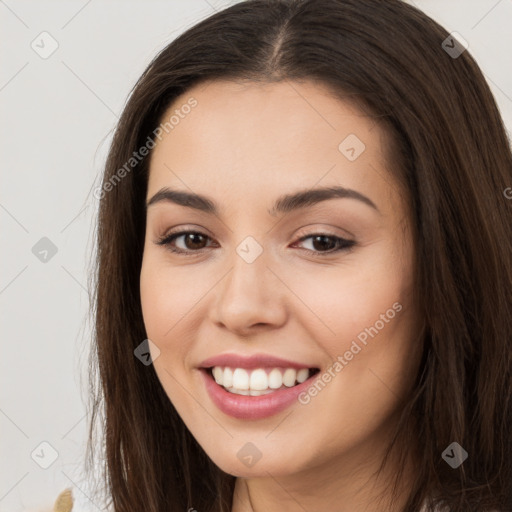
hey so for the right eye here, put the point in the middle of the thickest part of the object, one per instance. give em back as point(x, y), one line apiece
point(190, 238)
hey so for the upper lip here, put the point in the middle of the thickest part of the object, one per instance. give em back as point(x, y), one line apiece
point(253, 361)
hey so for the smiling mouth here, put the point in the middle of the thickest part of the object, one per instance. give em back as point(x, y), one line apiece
point(258, 381)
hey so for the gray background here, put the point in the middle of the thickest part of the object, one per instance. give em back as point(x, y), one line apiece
point(57, 119)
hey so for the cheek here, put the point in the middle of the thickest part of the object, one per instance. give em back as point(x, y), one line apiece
point(365, 328)
point(172, 302)
point(162, 306)
point(162, 309)
point(167, 293)
point(363, 314)
point(344, 301)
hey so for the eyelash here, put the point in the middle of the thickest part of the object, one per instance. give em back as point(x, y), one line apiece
point(343, 244)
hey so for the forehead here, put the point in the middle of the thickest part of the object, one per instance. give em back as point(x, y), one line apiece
point(268, 136)
point(288, 110)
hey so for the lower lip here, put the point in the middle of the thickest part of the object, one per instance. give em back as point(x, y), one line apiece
point(252, 407)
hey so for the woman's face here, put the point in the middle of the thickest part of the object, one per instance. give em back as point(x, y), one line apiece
point(280, 283)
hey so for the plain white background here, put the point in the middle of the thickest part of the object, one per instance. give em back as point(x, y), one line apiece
point(57, 117)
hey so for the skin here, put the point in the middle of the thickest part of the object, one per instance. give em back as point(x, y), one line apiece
point(244, 145)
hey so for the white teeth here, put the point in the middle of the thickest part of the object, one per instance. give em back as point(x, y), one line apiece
point(227, 380)
point(254, 392)
point(275, 379)
point(258, 382)
point(289, 377)
point(218, 374)
point(302, 375)
point(240, 379)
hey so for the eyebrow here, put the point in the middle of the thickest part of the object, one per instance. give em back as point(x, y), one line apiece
point(284, 204)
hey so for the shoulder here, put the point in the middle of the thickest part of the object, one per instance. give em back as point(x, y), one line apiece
point(64, 501)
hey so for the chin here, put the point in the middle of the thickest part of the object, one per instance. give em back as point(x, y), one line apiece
point(261, 468)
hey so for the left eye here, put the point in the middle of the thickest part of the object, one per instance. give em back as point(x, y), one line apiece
point(194, 242)
point(334, 243)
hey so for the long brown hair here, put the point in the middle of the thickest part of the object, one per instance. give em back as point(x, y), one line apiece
point(449, 150)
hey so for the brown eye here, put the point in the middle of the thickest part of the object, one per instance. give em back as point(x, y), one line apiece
point(323, 243)
point(328, 244)
point(192, 241)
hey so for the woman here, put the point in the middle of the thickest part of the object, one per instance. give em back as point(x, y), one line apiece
point(304, 281)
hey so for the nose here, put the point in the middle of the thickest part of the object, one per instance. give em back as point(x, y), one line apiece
point(250, 298)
